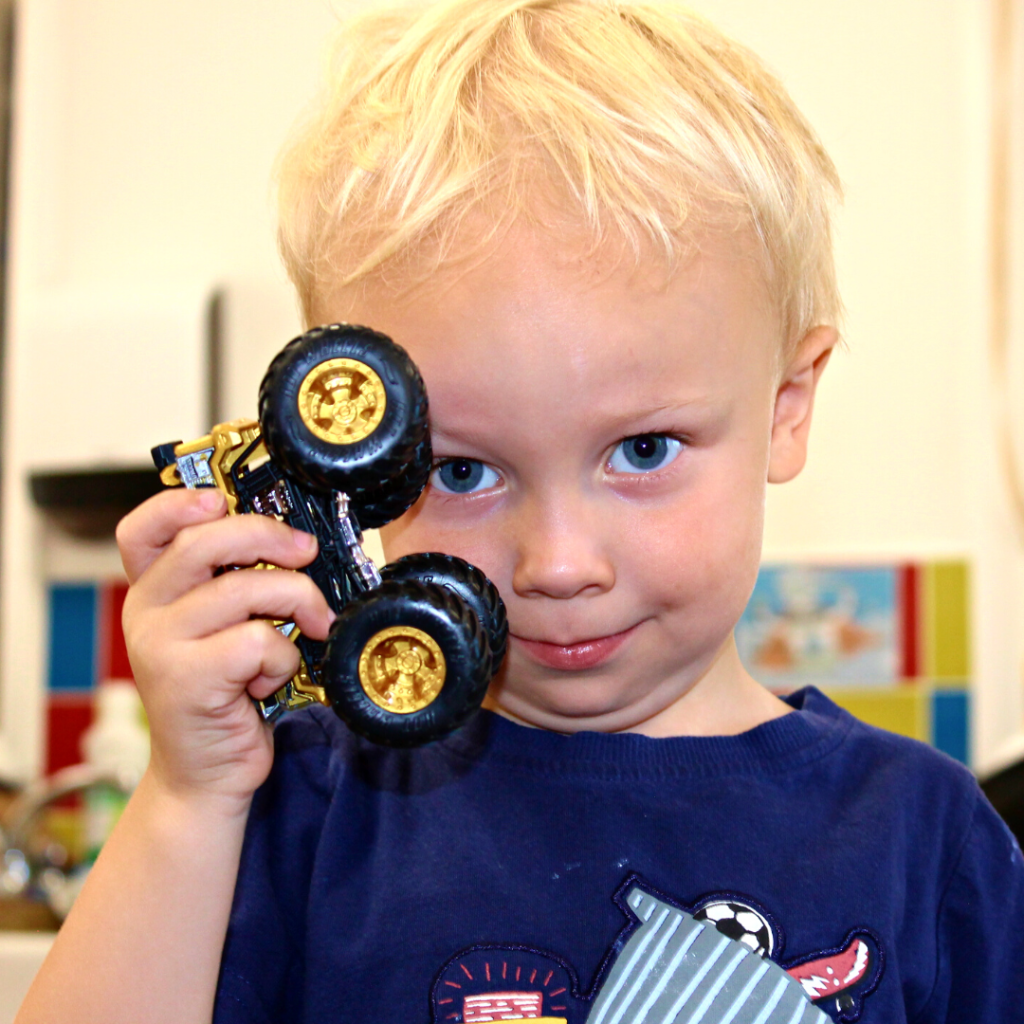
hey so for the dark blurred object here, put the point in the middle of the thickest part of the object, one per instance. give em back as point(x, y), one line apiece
point(90, 504)
point(19, 913)
point(1006, 791)
point(33, 866)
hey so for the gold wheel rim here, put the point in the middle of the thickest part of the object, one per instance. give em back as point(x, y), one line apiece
point(402, 669)
point(342, 401)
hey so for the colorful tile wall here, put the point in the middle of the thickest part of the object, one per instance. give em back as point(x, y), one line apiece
point(891, 643)
point(85, 645)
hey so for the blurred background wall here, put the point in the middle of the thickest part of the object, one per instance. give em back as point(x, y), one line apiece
point(145, 132)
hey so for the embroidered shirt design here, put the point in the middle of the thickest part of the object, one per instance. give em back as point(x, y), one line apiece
point(709, 964)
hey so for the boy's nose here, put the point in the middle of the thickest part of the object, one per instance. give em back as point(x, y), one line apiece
point(560, 555)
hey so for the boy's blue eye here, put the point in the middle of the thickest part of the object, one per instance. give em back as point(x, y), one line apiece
point(644, 453)
point(463, 476)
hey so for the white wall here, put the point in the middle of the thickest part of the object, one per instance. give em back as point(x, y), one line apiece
point(904, 459)
point(146, 135)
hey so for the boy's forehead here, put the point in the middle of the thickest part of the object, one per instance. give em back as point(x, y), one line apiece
point(576, 342)
point(535, 278)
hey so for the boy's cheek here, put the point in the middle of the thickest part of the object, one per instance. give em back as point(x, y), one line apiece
point(407, 534)
point(415, 532)
point(390, 539)
point(703, 554)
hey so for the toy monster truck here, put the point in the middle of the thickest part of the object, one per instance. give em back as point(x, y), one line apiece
point(342, 443)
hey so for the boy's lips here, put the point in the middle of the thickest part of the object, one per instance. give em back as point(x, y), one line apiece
point(583, 654)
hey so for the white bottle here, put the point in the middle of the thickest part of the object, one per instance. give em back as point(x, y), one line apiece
point(117, 741)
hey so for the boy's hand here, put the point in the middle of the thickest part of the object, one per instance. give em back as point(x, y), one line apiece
point(201, 644)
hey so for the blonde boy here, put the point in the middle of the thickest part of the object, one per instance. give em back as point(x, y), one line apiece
point(602, 231)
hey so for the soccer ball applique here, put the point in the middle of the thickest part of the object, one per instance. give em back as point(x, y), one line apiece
point(741, 922)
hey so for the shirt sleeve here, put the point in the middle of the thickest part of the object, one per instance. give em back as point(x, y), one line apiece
point(262, 978)
point(980, 972)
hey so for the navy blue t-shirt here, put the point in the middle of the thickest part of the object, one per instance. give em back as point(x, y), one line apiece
point(813, 869)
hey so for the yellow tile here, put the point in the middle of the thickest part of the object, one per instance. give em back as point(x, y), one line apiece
point(902, 709)
point(945, 620)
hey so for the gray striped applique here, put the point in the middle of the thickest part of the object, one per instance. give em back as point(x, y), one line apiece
point(677, 970)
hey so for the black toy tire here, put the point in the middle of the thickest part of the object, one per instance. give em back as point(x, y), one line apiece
point(376, 507)
point(469, 583)
point(451, 624)
point(373, 462)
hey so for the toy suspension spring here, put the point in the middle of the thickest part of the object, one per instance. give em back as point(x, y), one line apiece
point(351, 538)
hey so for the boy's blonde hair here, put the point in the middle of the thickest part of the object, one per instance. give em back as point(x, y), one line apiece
point(637, 120)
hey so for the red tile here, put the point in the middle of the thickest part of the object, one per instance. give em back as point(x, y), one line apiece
point(909, 600)
point(68, 716)
point(113, 655)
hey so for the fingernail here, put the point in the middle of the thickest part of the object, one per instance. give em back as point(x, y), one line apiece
point(210, 499)
point(304, 541)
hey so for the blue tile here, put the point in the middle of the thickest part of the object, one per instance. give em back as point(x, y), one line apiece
point(73, 611)
point(951, 723)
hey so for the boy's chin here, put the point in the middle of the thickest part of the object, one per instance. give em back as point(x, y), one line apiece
point(575, 708)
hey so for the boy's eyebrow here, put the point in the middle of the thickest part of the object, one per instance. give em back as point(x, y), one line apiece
point(658, 410)
point(619, 423)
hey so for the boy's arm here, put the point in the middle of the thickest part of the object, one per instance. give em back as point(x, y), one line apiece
point(980, 964)
point(143, 941)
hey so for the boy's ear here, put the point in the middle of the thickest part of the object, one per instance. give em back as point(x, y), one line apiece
point(794, 403)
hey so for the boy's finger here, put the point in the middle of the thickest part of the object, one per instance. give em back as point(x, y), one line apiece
point(146, 531)
point(238, 596)
point(196, 552)
point(253, 655)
